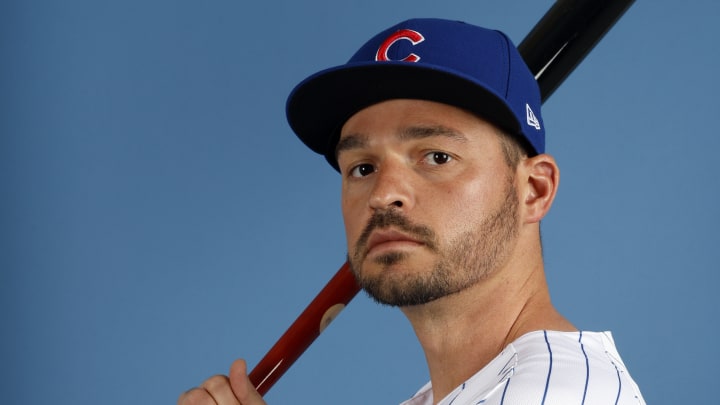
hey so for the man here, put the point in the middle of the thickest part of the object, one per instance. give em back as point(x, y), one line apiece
point(435, 128)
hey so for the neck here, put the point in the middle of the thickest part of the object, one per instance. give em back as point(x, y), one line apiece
point(463, 332)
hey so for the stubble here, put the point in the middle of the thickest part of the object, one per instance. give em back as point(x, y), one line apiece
point(460, 264)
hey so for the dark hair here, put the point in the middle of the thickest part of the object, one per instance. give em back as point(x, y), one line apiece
point(513, 147)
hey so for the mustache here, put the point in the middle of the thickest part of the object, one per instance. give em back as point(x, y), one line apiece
point(391, 217)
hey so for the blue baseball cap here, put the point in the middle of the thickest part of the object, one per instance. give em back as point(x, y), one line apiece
point(450, 62)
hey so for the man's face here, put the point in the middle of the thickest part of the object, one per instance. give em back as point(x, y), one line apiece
point(428, 199)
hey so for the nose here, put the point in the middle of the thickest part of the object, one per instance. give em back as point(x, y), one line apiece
point(392, 189)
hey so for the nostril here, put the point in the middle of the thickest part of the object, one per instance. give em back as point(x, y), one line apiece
point(398, 204)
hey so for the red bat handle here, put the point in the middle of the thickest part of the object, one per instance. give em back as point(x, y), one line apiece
point(307, 327)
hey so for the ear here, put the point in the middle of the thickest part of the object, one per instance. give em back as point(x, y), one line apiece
point(539, 179)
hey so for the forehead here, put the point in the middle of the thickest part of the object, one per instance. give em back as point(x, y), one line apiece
point(410, 119)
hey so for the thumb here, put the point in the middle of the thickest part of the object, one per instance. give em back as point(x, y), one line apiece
point(241, 385)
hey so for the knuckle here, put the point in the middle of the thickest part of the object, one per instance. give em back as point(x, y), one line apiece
point(215, 382)
point(195, 396)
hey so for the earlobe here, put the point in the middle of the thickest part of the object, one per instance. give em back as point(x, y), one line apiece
point(542, 177)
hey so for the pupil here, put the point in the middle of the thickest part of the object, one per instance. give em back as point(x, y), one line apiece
point(440, 157)
point(365, 170)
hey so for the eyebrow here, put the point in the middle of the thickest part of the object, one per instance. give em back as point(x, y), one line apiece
point(359, 141)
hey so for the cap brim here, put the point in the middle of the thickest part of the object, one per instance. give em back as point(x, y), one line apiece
point(319, 106)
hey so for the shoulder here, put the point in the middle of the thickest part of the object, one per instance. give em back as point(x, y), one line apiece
point(547, 367)
point(568, 367)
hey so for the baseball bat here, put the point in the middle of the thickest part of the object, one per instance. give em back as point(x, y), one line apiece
point(552, 50)
point(326, 305)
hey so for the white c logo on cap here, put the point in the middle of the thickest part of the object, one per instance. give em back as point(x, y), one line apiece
point(413, 36)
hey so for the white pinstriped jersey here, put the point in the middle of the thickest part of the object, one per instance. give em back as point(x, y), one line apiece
point(547, 368)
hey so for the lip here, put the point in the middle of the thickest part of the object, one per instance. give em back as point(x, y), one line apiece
point(389, 239)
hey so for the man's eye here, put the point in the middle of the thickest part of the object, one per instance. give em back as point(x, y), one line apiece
point(362, 170)
point(437, 158)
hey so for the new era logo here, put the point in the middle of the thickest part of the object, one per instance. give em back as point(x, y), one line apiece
point(531, 118)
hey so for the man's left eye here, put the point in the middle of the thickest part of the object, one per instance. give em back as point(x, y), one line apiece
point(437, 158)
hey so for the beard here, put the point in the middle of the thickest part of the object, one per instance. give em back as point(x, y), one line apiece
point(463, 262)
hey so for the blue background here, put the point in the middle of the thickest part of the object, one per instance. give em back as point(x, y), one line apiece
point(159, 219)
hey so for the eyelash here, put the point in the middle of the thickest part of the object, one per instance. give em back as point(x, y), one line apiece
point(428, 158)
point(434, 154)
point(359, 167)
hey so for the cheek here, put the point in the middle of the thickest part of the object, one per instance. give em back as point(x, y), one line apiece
point(462, 208)
point(353, 219)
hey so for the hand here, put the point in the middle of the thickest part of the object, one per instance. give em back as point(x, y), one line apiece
point(236, 389)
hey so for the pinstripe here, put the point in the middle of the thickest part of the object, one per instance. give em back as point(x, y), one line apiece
point(619, 384)
point(527, 359)
point(547, 382)
point(502, 399)
point(587, 368)
point(458, 394)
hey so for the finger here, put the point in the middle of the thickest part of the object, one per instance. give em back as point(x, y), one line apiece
point(219, 389)
point(196, 396)
point(241, 385)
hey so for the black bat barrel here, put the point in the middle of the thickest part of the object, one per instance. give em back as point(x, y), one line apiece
point(565, 35)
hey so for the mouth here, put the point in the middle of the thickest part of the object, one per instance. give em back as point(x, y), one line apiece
point(387, 240)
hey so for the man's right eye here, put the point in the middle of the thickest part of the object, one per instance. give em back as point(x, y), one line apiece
point(362, 170)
